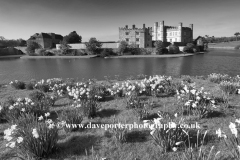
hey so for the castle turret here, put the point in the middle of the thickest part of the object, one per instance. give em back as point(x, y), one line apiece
point(191, 26)
point(180, 37)
point(162, 31)
point(155, 28)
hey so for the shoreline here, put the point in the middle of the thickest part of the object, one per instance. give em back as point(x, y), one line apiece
point(96, 56)
point(154, 56)
point(11, 56)
point(54, 57)
point(213, 47)
point(124, 56)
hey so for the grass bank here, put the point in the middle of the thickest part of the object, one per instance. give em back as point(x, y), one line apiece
point(56, 57)
point(98, 143)
point(153, 56)
point(124, 56)
point(225, 45)
point(11, 56)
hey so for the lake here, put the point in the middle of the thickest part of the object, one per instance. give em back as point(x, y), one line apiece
point(213, 61)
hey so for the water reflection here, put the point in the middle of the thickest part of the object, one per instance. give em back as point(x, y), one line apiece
point(218, 61)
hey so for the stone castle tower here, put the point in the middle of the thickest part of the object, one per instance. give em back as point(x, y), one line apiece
point(141, 37)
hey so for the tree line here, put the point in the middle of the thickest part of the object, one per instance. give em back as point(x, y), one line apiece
point(212, 39)
point(12, 42)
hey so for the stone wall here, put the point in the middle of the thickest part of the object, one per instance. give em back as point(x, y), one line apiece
point(83, 46)
point(23, 49)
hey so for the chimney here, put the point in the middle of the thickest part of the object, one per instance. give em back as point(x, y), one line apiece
point(126, 26)
point(133, 26)
point(143, 25)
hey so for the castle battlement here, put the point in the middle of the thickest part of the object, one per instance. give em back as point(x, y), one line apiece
point(171, 27)
point(134, 28)
point(130, 29)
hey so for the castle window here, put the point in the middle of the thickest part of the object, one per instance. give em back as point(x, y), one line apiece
point(137, 39)
point(170, 34)
point(127, 33)
point(137, 45)
point(170, 40)
point(127, 39)
point(137, 33)
point(185, 33)
point(175, 39)
point(175, 33)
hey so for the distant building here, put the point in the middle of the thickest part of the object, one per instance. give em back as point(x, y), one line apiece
point(201, 43)
point(172, 33)
point(46, 40)
point(141, 37)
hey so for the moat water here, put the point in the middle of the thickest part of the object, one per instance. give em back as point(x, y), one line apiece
point(213, 61)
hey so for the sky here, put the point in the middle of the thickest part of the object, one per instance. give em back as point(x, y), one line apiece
point(102, 18)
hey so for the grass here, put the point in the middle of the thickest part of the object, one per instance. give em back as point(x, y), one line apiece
point(96, 143)
point(225, 44)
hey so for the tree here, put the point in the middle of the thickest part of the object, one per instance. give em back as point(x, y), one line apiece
point(190, 48)
point(64, 47)
point(159, 47)
point(173, 49)
point(12, 42)
point(2, 38)
point(123, 45)
point(237, 34)
point(31, 46)
point(134, 49)
point(73, 37)
point(93, 45)
point(22, 42)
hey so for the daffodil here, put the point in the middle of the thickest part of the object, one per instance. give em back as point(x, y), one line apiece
point(233, 129)
point(219, 133)
point(178, 143)
point(19, 140)
point(153, 131)
point(237, 121)
point(13, 127)
point(11, 144)
point(174, 149)
point(47, 114)
point(40, 118)
point(35, 133)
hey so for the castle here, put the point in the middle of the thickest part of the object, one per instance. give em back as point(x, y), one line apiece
point(143, 37)
point(46, 40)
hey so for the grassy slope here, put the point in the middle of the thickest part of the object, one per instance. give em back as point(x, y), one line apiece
point(226, 44)
point(79, 144)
